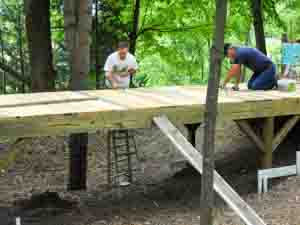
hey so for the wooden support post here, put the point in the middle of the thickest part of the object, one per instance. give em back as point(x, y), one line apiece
point(108, 159)
point(78, 145)
point(192, 130)
point(191, 137)
point(268, 135)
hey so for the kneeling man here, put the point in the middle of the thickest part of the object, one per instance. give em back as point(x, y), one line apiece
point(264, 77)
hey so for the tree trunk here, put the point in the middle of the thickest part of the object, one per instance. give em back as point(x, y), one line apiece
point(135, 26)
point(13, 73)
point(20, 47)
point(78, 20)
point(97, 46)
point(247, 42)
point(134, 33)
point(2, 61)
point(259, 25)
point(284, 39)
point(39, 44)
point(216, 56)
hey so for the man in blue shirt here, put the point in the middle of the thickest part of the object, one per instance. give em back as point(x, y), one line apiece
point(264, 77)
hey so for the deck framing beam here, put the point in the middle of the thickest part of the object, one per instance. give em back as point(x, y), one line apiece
point(192, 131)
point(268, 142)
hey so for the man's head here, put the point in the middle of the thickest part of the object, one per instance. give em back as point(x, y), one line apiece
point(123, 47)
point(229, 51)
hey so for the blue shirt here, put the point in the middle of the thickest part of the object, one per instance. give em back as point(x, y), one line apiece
point(252, 59)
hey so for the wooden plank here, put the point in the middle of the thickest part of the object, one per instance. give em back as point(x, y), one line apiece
point(175, 92)
point(71, 121)
point(58, 109)
point(268, 134)
point(247, 129)
point(170, 95)
point(224, 97)
point(246, 213)
point(280, 136)
point(161, 99)
point(275, 94)
point(249, 95)
point(45, 98)
point(127, 99)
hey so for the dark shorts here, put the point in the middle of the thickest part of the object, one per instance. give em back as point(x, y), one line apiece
point(265, 80)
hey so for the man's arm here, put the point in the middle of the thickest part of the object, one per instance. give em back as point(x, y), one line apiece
point(132, 71)
point(133, 68)
point(110, 77)
point(286, 71)
point(238, 79)
point(108, 72)
point(234, 71)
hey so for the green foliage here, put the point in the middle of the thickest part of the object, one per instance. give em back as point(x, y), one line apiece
point(174, 36)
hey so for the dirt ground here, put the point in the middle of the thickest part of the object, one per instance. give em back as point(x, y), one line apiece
point(165, 192)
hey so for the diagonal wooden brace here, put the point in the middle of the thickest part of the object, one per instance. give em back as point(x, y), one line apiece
point(283, 132)
point(248, 130)
point(265, 142)
point(244, 211)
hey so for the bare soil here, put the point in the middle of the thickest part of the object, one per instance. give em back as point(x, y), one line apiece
point(165, 192)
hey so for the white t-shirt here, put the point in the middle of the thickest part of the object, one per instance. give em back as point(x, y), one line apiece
point(120, 67)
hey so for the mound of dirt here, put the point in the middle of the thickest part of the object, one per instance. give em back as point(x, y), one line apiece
point(45, 200)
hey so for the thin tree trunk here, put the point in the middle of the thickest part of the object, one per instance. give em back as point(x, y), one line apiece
point(135, 26)
point(216, 56)
point(97, 46)
point(259, 25)
point(2, 61)
point(134, 33)
point(21, 52)
point(284, 39)
point(13, 73)
point(243, 76)
point(78, 20)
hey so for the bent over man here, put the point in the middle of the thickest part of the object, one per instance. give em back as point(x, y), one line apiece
point(264, 70)
point(119, 67)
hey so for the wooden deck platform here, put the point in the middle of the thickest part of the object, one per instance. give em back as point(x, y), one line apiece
point(60, 113)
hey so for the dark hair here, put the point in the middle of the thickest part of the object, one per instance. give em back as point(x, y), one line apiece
point(123, 44)
point(227, 46)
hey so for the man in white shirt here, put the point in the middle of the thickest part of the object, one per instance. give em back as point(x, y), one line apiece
point(119, 67)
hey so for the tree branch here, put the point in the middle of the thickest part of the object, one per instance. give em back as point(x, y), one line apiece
point(169, 30)
point(16, 75)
